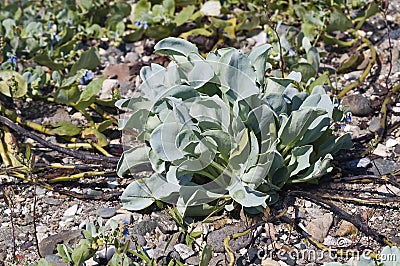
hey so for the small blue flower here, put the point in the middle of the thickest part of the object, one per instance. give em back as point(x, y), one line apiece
point(57, 37)
point(49, 25)
point(145, 25)
point(126, 222)
point(348, 118)
point(291, 53)
point(138, 24)
point(267, 38)
point(70, 22)
point(86, 78)
point(12, 59)
point(126, 232)
point(342, 126)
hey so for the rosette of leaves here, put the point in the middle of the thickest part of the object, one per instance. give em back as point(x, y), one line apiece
point(215, 128)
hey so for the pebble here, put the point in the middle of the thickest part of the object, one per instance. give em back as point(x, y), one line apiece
point(108, 86)
point(254, 257)
point(131, 57)
point(184, 251)
point(144, 227)
point(374, 124)
point(380, 150)
point(269, 262)
point(345, 228)
point(388, 188)
point(383, 166)
point(113, 184)
point(93, 192)
point(106, 212)
point(319, 227)
point(71, 211)
point(359, 105)
point(391, 143)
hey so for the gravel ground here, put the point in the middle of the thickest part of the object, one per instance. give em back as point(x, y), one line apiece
point(60, 218)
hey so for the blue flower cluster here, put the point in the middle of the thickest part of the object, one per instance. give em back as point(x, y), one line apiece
point(140, 24)
point(86, 78)
point(12, 59)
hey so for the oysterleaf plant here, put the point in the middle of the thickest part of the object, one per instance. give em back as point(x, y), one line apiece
point(219, 128)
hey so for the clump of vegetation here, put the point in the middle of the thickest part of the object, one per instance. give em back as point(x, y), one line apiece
point(216, 128)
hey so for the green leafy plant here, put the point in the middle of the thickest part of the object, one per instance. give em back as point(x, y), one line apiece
point(94, 239)
point(216, 127)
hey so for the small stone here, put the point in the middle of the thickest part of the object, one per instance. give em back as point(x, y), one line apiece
point(53, 259)
point(391, 143)
point(269, 262)
point(131, 57)
point(106, 212)
point(108, 86)
point(380, 150)
point(193, 260)
point(254, 256)
point(144, 227)
point(375, 124)
point(389, 189)
point(319, 227)
point(48, 245)
point(184, 251)
point(113, 184)
point(359, 105)
point(93, 192)
point(345, 228)
point(363, 162)
point(382, 166)
point(307, 204)
point(397, 149)
point(106, 253)
point(71, 211)
point(270, 231)
point(120, 218)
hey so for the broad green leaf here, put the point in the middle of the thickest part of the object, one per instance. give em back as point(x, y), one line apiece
point(258, 58)
point(297, 124)
point(175, 46)
point(318, 169)
point(184, 15)
point(163, 142)
point(12, 84)
point(206, 255)
point(169, 7)
point(307, 70)
point(136, 158)
point(65, 128)
point(142, 6)
point(338, 21)
point(91, 89)
point(196, 32)
point(246, 196)
point(300, 159)
point(82, 252)
point(95, 136)
point(45, 60)
point(89, 59)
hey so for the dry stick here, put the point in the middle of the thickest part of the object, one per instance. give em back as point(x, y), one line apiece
point(75, 154)
point(344, 215)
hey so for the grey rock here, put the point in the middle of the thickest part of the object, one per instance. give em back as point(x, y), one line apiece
point(52, 201)
point(108, 86)
point(254, 257)
point(218, 260)
point(381, 166)
point(144, 227)
point(216, 238)
point(397, 149)
point(359, 105)
point(140, 239)
point(184, 251)
point(106, 253)
point(106, 212)
point(71, 211)
point(131, 57)
point(193, 260)
point(48, 245)
point(155, 253)
point(55, 260)
point(319, 227)
point(374, 124)
point(93, 192)
point(164, 221)
point(359, 163)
